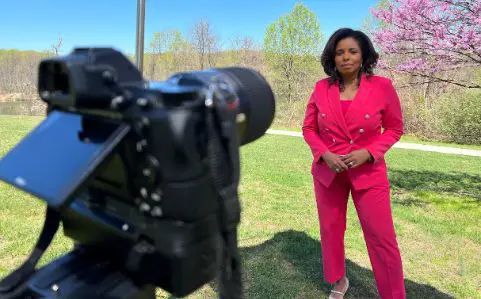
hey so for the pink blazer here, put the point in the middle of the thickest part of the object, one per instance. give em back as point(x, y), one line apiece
point(373, 121)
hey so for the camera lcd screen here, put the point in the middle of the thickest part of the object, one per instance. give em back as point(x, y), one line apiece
point(55, 159)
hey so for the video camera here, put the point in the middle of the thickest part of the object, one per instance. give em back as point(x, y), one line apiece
point(142, 175)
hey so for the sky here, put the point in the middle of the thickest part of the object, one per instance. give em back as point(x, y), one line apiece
point(37, 24)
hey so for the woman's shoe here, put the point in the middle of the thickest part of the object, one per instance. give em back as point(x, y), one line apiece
point(334, 292)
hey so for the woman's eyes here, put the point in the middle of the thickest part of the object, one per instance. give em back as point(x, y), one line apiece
point(350, 51)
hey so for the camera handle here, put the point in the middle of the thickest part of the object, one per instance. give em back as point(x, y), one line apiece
point(223, 153)
point(14, 284)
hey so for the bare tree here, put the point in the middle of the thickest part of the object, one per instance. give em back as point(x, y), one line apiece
point(205, 43)
point(56, 47)
point(247, 53)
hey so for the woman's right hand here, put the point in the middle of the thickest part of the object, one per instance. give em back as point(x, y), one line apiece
point(334, 162)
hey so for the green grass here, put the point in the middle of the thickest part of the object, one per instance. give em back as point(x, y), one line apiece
point(410, 139)
point(436, 206)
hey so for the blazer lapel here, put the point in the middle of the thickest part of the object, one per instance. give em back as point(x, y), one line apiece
point(335, 105)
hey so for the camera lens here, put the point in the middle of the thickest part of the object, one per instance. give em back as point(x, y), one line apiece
point(257, 101)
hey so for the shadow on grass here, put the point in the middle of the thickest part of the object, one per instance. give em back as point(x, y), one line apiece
point(456, 183)
point(287, 266)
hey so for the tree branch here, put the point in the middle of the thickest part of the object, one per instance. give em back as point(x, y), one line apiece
point(458, 4)
point(437, 79)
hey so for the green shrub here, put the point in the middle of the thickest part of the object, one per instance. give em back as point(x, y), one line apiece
point(459, 116)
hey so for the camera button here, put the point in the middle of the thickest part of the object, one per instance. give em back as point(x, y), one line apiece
point(156, 212)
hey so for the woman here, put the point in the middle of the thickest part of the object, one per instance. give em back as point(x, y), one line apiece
point(352, 119)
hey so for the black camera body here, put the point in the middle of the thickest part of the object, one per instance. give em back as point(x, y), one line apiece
point(143, 175)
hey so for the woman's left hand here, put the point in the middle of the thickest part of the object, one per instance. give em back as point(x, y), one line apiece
point(356, 158)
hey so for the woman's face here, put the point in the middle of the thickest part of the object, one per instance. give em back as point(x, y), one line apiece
point(348, 56)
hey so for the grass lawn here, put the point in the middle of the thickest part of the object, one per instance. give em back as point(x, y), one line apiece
point(436, 205)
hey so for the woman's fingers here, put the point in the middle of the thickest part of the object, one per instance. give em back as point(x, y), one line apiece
point(350, 160)
point(346, 159)
point(351, 163)
point(337, 167)
point(341, 165)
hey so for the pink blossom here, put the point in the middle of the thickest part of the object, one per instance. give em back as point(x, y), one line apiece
point(443, 34)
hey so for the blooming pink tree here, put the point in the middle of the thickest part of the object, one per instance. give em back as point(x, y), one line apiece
point(433, 37)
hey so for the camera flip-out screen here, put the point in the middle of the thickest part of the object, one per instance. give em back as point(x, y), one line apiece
point(57, 157)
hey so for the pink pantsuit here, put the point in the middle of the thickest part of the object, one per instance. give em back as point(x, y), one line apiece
point(374, 122)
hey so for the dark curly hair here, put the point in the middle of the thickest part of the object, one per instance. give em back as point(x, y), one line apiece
point(369, 54)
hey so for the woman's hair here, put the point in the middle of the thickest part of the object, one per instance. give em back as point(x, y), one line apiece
point(369, 54)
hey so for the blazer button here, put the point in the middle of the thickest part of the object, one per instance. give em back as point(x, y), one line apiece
point(323, 115)
point(333, 140)
point(366, 116)
point(361, 131)
point(327, 130)
point(351, 142)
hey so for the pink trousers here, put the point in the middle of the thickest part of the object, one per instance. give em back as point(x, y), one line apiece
point(374, 211)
